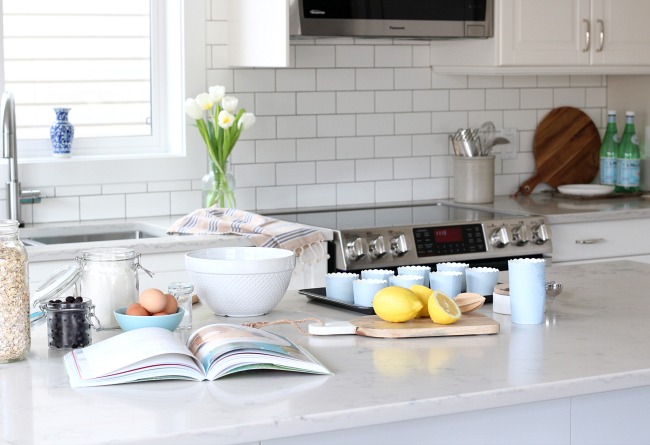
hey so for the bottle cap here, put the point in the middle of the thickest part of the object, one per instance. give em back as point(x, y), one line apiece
point(611, 112)
point(629, 113)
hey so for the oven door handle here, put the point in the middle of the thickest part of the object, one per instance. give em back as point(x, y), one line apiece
point(590, 241)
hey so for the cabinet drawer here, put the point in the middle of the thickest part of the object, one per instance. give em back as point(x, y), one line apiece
point(602, 239)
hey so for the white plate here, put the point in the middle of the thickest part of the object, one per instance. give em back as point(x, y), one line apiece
point(586, 189)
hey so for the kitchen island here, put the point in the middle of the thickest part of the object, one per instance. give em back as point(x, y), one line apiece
point(582, 377)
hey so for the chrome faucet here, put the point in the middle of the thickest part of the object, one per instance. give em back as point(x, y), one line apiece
point(14, 193)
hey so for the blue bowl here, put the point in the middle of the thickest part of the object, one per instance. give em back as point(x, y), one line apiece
point(130, 322)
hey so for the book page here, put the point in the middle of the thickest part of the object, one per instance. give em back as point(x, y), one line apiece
point(128, 348)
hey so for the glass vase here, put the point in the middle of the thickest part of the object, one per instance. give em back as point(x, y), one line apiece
point(219, 186)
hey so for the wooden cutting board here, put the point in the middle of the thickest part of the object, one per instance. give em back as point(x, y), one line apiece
point(470, 323)
point(566, 147)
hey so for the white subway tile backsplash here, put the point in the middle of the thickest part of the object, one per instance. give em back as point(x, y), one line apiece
point(276, 197)
point(296, 79)
point(339, 79)
point(375, 79)
point(182, 203)
point(502, 99)
point(265, 128)
point(485, 82)
point(336, 125)
point(296, 126)
point(393, 191)
point(148, 204)
point(412, 78)
point(254, 80)
point(355, 102)
point(169, 186)
point(442, 166)
point(352, 56)
point(373, 169)
point(596, 97)
point(293, 173)
point(520, 119)
point(519, 81)
point(255, 175)
point(355, 193)
point(275, 150)
point(317, 195)
point(421, 55)
point(430, 100)
point(216, 33)
point(432, 188)
point(355, 147)
point(225, 77)
point(316, 56)
point(467, 99)
point(269, 104)
point(219, 9)
point(375, 124)
point(447, 82)
point(393, 101)
point(316, 149)
point(76, 190)
point(431, 145)
point(335, 171)
point(393, 56)
point(448, 122)
point(412, 123)
point(586, 81)
point(393, 146)
point(129, 187)
point(570, 97)
point(57, 209)
point(536, 98)
point(553, 81)
point(246, 198)
point(102, 207)
point(316, 103)
point(411, 168)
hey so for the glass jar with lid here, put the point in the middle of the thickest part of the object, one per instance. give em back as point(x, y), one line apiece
point(15, 340)
point(110, 279)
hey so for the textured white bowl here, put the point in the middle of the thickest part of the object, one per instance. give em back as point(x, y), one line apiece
point(240, 281)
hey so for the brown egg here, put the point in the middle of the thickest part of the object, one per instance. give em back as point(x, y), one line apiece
point(171, 305)
point(136, 309)
point(158, 314)
point(153, 300)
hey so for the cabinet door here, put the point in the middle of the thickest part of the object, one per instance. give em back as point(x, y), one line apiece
point(549, 32)
point(625, 30)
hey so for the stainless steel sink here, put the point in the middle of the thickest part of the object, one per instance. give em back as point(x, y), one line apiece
point(88, 233)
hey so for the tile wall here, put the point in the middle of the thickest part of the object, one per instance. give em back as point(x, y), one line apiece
point(351, 122)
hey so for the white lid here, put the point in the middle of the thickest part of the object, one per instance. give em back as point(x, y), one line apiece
point(629, 113)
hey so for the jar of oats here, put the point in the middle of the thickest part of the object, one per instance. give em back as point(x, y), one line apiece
point(15, 339)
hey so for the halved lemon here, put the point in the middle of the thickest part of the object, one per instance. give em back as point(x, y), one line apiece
point(442, 309)
point(423, 293)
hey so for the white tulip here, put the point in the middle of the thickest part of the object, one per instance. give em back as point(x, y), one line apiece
point(205, 101)
point(193, 109)
point(246, 121)
point(217, 92)
point(226, 119)
point(229, 103)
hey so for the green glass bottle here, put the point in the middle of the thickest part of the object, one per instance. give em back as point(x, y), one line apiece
point(609, 151)
point(629, 158)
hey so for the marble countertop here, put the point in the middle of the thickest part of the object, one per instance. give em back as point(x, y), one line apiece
point(589, 343)
point(558, 209)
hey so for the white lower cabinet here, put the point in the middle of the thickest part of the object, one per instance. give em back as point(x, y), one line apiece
point(601, 240)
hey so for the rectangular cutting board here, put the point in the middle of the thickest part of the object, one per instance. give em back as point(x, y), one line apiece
point(469, 324)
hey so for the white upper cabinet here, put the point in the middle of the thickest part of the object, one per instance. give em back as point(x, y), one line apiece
point(556, 37)
point(258, 33)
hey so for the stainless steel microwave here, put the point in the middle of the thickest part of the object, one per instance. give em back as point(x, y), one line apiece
point(419, 19)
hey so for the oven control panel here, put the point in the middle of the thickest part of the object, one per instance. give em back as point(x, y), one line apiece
point(435, 243)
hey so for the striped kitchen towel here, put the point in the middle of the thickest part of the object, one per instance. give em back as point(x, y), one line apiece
point(261, 230)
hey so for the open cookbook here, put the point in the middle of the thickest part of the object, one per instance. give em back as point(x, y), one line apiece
point(213, 351)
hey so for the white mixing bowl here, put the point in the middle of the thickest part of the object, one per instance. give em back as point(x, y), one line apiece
point(240, 281)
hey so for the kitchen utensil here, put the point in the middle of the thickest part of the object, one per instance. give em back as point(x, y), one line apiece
point(565, 146)
point(373, 326)
point(486, 133)
point(468, 301)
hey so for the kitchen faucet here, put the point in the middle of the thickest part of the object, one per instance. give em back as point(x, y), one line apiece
point(14, 193)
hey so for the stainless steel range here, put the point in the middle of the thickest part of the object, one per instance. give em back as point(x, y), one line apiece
point(397, 235)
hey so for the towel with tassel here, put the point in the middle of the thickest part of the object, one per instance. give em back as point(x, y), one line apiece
point(307, 242)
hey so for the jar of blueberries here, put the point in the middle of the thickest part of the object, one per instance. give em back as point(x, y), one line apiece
point(69, 318)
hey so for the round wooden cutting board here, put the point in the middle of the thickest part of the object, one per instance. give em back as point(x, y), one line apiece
point(566, 147)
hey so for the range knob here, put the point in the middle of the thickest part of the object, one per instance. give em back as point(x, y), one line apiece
point(398, 245)
point(540, 234)
point(499, 238)
point(520, 235)
point(357, 249)
point(377, 247)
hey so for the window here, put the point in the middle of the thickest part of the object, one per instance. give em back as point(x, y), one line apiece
point(98, 58)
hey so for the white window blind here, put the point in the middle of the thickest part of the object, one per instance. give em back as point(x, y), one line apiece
point(91, 56)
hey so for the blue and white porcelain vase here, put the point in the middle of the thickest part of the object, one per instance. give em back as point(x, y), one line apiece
point(61, 133)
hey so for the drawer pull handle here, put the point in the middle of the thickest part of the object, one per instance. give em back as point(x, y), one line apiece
point(590, 241)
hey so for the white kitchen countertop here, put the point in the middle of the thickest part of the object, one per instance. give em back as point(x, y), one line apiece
point(591, 342)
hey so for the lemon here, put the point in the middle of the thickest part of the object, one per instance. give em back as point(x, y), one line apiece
point(442, 309)
point(396, 304)
point(423, 293)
